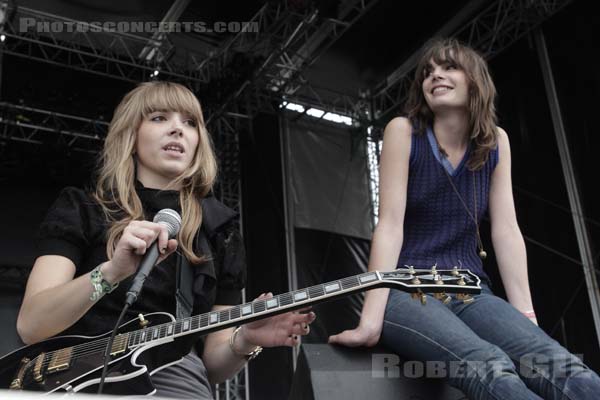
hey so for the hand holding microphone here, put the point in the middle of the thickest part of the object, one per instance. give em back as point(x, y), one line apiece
point(139, 246)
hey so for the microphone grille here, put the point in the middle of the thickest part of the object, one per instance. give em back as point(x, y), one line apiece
point(170, 218)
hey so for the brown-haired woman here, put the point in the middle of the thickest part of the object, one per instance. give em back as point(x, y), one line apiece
point(157, 155)
point(441, 167)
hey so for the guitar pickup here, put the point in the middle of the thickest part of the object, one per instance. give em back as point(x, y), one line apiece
point(60, 360)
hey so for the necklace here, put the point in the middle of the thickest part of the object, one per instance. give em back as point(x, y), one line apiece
point(482, 253)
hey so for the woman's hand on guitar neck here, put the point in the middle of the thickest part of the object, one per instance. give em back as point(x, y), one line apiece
point(279, 330)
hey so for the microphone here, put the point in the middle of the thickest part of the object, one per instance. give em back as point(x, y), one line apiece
point(172, 220)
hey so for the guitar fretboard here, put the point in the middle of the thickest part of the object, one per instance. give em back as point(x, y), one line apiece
point(253, 310)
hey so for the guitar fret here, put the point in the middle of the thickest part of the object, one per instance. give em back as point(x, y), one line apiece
point(203, 320)
point(349, 283)
point(259, 306)
point(235, 312)
point(195, 323)
point(133, 339)
point(286, 299)
point(316, 291)
point(224, 316)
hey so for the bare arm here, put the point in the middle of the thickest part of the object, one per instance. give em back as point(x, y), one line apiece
point(54, 301)
point(388, 235)
point(507, 239)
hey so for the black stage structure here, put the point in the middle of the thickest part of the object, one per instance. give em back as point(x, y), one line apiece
point(296, 105)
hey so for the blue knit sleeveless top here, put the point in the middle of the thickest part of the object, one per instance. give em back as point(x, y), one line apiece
point(437, 228)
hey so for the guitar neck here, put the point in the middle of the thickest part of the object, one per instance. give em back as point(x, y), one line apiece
point(257, 309)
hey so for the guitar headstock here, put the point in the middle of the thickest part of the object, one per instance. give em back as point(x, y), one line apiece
point(440, 282)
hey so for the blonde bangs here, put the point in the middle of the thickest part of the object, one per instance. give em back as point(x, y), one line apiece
point(169, 97)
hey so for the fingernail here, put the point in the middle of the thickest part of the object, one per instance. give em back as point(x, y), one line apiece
point(163, 250)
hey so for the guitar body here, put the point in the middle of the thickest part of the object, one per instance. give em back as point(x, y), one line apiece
point(128, 372)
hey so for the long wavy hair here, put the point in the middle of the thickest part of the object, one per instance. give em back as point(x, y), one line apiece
point(482, 95)
point(115, 184)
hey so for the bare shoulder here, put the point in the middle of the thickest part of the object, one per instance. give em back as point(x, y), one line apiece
point(399, 126)
point(502, 135)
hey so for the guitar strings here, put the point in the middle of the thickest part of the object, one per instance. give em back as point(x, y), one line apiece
point(98, 346)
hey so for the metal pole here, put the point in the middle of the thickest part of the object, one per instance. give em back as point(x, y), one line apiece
point(288, 213)
point(583, 240)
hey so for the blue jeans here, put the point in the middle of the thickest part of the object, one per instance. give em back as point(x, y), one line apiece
point(488, 349)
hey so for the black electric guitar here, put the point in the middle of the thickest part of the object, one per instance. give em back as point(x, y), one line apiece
point(74, 363)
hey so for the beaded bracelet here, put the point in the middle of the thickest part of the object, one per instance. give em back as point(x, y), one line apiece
point(101, 286)
point(249, 356)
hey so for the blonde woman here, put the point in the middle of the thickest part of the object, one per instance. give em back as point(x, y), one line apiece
point(157, 155)
point(442, 169)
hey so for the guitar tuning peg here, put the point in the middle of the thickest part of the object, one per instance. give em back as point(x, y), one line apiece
point(437, 278)
point(411, 269)
point(415, 281)
point(466, 298)
point(461, 281)
point(455, 271)
point(434, 268)
point(423, 298)
point(443, 297)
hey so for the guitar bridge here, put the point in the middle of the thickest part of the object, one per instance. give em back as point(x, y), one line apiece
point(17, 382)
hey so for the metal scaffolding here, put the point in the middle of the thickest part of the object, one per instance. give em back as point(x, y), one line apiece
point(93, 48)
point(288, 48)
point(33, 125)
point(495, 27)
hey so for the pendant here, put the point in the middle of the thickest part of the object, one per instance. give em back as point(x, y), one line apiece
point(482, 254)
